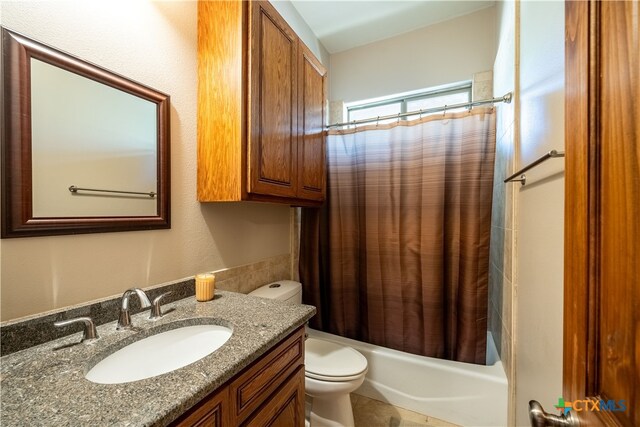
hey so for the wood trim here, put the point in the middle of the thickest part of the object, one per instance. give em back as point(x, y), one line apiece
point(222, 76)
point(17, 216)
point(578, 279)
point(618, 137)
point(596, 169)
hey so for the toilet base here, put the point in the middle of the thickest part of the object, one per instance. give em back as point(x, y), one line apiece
point(333, 412)
point(331, 401)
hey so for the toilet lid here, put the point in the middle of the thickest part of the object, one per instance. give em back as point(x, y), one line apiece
point(327, 360)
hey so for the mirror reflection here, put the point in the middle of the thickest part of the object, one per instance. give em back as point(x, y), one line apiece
point(90, 135)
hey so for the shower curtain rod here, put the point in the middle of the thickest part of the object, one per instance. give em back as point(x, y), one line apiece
point(506, 98)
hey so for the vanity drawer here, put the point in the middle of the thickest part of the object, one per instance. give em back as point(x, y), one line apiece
point(264, 377)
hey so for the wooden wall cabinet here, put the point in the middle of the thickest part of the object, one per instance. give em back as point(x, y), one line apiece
point(261, 107)
point(269, 392)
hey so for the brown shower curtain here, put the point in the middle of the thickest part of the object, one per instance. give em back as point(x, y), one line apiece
point(399, 255)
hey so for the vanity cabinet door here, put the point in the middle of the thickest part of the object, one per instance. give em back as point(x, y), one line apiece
point(312, 90)
point(211, 412)
point(273, 103)
point(264, 378)
point(285, 408)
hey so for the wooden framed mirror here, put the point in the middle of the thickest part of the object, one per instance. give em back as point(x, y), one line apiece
point(84, 150)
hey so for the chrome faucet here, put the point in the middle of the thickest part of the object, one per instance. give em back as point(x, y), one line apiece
point(124, 321)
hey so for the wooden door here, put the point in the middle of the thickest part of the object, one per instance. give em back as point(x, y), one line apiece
point(273, 97)
point(602, 221)
point(312, 87)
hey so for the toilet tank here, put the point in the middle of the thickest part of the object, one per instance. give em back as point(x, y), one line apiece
point(288, 291)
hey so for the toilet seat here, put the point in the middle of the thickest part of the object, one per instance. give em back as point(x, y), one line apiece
point(329, 379)
point(328, 361)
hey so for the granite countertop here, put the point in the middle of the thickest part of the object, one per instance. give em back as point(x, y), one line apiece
point(45, 385)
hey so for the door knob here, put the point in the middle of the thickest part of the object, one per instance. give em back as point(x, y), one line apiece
point(539, 418)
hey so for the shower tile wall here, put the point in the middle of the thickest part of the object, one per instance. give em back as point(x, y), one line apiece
point(483, 86)
point(502, 236)
point(502, 277)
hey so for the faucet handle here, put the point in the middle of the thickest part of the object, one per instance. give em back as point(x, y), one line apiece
point(156, 307)
point(90, 332)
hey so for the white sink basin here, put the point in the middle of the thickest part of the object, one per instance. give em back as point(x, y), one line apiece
point(159, 354)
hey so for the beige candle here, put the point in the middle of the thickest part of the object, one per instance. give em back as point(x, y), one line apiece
point(205, 286)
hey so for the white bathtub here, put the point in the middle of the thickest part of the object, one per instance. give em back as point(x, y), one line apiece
point(461, 393)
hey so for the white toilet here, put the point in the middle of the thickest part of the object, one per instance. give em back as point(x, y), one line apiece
point(332, 371)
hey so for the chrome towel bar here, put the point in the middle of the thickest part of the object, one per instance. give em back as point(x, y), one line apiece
point(523, 179)
point(75, 189)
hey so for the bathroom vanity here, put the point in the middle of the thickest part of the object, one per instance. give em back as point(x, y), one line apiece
point(268, 392)
point(255, 378)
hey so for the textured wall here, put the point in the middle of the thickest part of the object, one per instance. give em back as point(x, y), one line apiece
point(153, 43)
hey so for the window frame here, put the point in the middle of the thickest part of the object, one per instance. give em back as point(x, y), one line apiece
point(404, 99)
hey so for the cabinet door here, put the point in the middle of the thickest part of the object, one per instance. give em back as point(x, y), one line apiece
point(265, 377)
point(286, 406)
point(273, 98)
point(311, 126)
point(210, 412)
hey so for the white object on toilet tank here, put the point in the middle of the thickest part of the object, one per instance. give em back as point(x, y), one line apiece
point(288, 291)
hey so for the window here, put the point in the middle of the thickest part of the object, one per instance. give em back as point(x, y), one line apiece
point(415, 101)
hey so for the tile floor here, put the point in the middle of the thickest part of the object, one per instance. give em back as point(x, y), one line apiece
point(373, 413)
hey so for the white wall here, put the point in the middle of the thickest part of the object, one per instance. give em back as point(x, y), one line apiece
point(154, 43)
point(540, 212)
point(443, 53)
